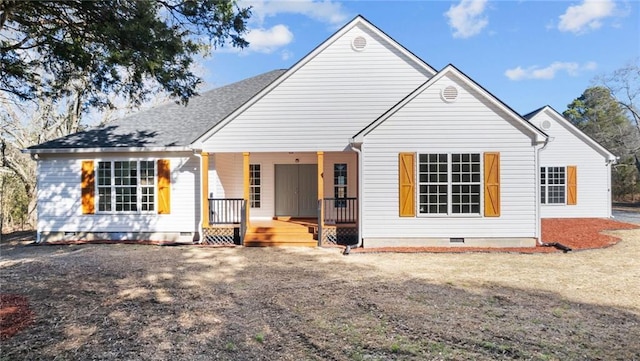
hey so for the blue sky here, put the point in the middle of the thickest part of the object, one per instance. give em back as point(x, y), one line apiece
point(527, 53)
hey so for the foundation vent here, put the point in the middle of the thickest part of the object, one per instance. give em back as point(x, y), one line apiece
point(456, 240)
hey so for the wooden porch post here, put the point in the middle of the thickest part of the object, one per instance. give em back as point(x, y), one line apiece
point(245, 171)
point(204, 168)
point(321, 186)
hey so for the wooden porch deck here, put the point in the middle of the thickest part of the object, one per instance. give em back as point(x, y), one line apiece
point(283, 231)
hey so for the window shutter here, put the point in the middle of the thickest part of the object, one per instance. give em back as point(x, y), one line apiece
point(406, 175)
point(88, 186)
point(492, 184)
point(164, 186)
point(572, 185)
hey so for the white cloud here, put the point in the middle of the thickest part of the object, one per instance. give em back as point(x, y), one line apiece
point(286, 54)
point(325, 11)
point(549, 72)
point(586, 16)
point(268, 40)
point(466, 18)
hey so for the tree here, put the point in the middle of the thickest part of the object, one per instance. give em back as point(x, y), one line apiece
point(60, 59)
point(624, 85)
point(91, 48)
point(597, 113)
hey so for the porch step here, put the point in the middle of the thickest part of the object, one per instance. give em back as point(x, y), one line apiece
point(282, 234)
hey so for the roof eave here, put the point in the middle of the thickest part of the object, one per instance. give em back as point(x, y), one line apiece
point(106, 150)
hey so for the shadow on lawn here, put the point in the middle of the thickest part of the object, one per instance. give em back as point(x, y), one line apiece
point(110, 302)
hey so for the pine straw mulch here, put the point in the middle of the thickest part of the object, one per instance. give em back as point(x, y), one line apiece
point(575, 233)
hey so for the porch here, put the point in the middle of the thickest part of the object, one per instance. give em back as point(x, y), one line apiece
point(228, 225)
point(278, 198)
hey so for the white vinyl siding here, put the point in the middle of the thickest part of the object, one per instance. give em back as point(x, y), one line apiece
point(59, 197)
point(593, 173)
point(323, 104)
point(427, 124)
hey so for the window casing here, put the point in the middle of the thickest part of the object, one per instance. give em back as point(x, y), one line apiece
point(254, 185)
point(340, 184)
point(449, 184)
point(126, 186)
point(553, 185)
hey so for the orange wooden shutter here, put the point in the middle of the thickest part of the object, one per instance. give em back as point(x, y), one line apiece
point(164, 186)
point(492, 184)
point(572, 185)
point(88, 186)
point(406, 175)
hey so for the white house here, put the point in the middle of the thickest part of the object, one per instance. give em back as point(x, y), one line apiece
point(360, 142)
point(575, 171)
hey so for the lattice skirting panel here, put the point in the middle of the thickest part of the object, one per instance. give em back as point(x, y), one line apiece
point(339, 235)
point(221, 236)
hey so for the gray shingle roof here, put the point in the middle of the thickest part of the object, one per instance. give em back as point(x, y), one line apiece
point(532, 114)
point(169, 124)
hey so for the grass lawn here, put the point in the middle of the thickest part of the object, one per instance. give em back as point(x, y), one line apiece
point(190, 303)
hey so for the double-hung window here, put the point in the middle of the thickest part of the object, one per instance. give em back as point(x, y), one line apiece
point(126, 186)
point(552, 185)
point(449, 183)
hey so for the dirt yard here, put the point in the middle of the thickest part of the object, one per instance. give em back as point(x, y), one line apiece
point(163, 303)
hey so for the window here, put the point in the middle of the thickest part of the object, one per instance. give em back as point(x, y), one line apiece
point(126, 186)
point(254, 185)
point(552, 185)
point(340, 184)
point(449, 183)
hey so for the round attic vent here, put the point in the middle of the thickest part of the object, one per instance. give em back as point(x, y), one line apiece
point(449, 94)
point(545, 124)
point(359, 43)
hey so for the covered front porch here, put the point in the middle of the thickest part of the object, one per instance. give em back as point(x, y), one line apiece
point(286, 199)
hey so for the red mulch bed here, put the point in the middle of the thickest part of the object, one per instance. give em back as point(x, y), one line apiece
point(15, 314)
point(575, 233)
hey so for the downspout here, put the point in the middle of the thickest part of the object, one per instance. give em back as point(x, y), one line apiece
point(352, 145)
point(538, 200)
point(610, 163)
point(557, 245)
point(200, 229)
point(35, 157)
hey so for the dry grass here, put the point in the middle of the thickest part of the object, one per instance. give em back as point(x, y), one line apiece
point(157, 303)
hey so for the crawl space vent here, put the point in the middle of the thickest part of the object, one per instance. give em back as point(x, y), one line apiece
point(449, 94)
point(545, 124)
point(359, 43)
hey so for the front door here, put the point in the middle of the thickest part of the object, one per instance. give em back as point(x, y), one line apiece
point(296, 190)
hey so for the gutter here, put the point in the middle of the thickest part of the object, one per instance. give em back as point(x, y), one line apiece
point(356, 147)
point(105, 150)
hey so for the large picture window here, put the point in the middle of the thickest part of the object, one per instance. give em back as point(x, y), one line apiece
point(254, 185)
point(552, 185)
point(449, 183)
point(126, 186)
